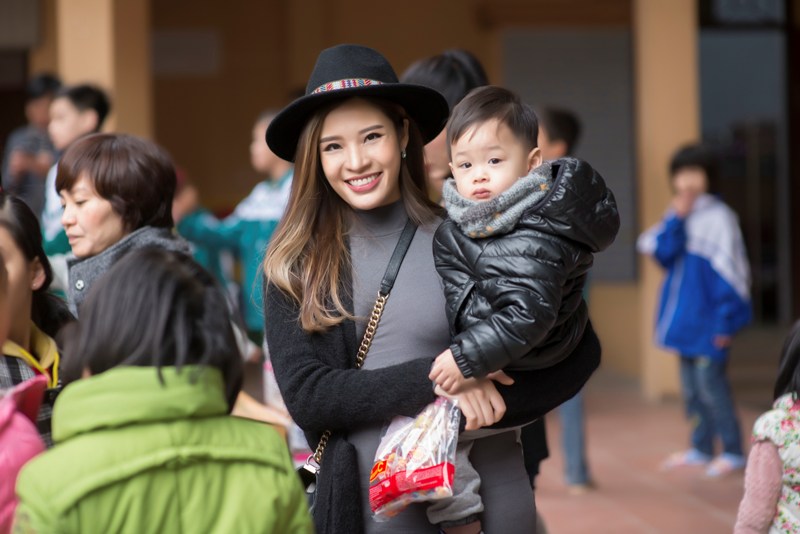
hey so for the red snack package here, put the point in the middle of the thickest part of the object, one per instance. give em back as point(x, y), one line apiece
point(415, 460)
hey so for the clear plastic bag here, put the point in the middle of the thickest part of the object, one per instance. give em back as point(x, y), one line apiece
point(415, 460)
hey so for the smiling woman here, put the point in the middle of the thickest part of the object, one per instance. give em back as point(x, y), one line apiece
point(117, 192)
point(357, 137)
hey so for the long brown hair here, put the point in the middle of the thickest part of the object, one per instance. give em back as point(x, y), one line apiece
point(308, 255)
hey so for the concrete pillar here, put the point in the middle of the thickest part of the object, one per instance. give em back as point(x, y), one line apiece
point(107, 42)
point(665, 34)
point(43, 57)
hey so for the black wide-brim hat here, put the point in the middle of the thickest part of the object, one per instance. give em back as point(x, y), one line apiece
point(346, 71)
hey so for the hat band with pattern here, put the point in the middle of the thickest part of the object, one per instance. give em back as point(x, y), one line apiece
point(348, 83)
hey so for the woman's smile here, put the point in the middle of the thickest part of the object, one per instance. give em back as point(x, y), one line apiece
point(364, 183)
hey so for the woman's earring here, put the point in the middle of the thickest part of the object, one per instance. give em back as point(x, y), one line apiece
point(403, 154)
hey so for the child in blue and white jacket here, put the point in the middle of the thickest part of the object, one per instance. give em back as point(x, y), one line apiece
point(705, 301)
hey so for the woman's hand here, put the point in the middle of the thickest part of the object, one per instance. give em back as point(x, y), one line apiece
point(479, 400)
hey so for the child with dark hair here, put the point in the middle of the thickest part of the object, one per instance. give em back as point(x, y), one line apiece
point(76, 111)
point(559, 132)
point(704, 302)
point(36, 314)
point(513, 255)
point(772, 477)
point(145, 440)
point(29, 152)
point(247, 231)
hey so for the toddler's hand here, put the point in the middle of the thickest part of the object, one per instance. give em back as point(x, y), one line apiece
point(446, 374)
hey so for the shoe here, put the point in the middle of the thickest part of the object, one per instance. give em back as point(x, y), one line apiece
point(725, 464)
point(577, 490)
point(687, 458)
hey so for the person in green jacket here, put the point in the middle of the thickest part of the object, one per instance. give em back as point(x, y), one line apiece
point(145, 442)
point(248, 229)
point(184, 204)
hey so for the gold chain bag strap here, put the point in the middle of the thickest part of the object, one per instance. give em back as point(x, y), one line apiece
point(309, 472)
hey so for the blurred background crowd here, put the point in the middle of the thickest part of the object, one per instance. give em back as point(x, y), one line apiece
point(636, 79)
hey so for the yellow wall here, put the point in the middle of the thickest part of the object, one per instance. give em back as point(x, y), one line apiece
point(44, 56)
point(615, 313)
point(667, 116)
point(205, 120)
point(103, 42)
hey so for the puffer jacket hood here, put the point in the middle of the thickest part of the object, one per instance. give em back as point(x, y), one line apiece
point(578, 207)
point(138, 452)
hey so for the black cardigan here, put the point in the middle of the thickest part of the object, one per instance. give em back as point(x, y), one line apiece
point(322, 390)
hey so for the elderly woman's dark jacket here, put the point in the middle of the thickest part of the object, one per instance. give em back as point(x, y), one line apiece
point(515, 301)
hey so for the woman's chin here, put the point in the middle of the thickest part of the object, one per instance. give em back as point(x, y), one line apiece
point(371, 201)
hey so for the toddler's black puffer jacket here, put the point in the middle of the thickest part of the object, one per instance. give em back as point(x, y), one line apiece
point(515, 300)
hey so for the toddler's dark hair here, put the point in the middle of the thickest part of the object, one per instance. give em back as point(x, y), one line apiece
point(491, 102)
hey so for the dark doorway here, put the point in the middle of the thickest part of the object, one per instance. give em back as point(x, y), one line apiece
point(13, 75)
point(744, 76)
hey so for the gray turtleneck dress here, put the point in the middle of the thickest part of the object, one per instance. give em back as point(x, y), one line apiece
point(414, 325)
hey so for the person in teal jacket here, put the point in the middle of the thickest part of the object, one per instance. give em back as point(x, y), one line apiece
point(145, 442)
point(248, 229)
point(185, 203)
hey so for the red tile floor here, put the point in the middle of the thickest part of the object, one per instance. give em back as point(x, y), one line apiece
point(628, 438)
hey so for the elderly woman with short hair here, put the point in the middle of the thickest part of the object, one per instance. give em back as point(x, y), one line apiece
point(117, 192)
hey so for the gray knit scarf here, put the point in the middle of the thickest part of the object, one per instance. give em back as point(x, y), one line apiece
point(502, 213)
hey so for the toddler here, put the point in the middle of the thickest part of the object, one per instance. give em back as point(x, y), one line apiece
point(513, 257)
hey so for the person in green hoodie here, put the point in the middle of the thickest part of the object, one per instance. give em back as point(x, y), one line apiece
point(247, 231)
point(145, 442)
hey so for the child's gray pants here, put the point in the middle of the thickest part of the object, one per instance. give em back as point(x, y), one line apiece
point(465, 506)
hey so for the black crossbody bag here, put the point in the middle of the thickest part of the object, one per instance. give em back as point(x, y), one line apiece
point(309, 472)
